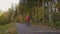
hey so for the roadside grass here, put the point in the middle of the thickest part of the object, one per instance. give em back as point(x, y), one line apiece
point(4, 29)
point(55, 26)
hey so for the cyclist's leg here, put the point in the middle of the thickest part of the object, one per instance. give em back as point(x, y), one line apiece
point(28, 23)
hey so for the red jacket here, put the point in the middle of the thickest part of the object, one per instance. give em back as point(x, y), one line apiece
point(27, 19)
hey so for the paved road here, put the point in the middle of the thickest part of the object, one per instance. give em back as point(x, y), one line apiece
point(24, 29)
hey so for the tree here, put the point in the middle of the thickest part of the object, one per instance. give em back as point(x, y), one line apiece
point(11, 13)
point(27, 7)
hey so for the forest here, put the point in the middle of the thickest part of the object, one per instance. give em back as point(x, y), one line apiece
point(45, 12)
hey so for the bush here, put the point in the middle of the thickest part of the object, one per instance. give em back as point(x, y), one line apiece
point(57, 23)
point(55, 17)
point(3, 22)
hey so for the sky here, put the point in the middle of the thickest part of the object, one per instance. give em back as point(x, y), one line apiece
point(5, 4)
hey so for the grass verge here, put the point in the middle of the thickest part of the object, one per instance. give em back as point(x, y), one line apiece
point(8, 28)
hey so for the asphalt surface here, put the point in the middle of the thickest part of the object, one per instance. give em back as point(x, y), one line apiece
point(25, 29)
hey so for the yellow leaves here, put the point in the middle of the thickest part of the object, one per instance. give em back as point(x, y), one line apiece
point(38, 12)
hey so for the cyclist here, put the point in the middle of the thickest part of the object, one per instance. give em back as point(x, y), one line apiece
point(28, 20)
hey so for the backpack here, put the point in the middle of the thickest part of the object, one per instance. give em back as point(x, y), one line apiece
point(27, 18)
